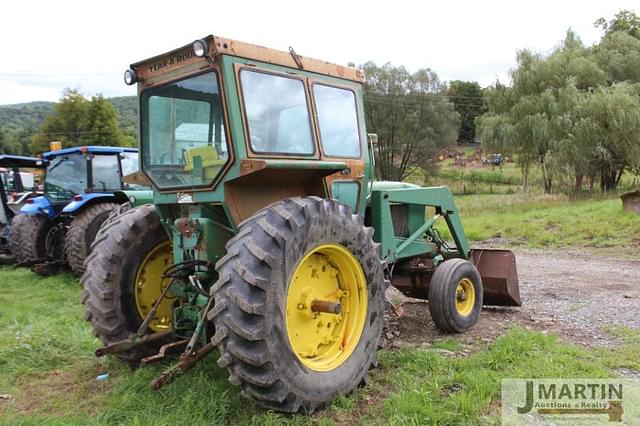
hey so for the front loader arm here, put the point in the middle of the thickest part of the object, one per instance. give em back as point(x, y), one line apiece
point(395, 247)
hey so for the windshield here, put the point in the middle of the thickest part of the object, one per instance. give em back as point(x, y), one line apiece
point(183, 139)
point(66, 177)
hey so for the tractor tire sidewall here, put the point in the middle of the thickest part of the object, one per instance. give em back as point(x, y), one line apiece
point(442, 296)
point(311, 222)
point(33, 246)
point(15, 236)
point(82, 232)
point(110, 275)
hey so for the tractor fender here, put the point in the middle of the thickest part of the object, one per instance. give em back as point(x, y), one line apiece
point(84, 200)
point(136, 197)
point(39, 205)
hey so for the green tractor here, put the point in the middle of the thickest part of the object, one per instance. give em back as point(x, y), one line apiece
point(268, 238)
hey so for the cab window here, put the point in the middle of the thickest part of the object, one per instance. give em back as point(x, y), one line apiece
point(337, 120)
point(277, 114)
point(106, 173)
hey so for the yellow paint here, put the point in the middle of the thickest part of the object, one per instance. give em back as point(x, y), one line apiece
point(465, 297)
point(323, 341)
point(149, 285)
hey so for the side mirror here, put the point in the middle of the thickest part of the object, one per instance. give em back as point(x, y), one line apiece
point(372, 139)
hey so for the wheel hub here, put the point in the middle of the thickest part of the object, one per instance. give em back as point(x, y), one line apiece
point(326, 307)
point(149, 285)
point(465, 297)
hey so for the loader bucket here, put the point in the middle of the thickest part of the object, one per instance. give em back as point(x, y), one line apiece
point(499, 276)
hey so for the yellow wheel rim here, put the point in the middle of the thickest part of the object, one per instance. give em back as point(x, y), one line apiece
point(465, 297)
point(328, 276)
point(150, 284)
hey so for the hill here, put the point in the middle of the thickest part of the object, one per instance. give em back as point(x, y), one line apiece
point(24, 119)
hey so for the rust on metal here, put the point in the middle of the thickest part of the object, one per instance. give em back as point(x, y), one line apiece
point(499, 276)
point(326, 307)
point(183, 365)
point(183, 58)
point(164, 351)
point(130, 343)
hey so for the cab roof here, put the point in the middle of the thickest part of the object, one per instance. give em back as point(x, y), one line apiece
point(11, 161)
point(88, 149)
point(218, 46)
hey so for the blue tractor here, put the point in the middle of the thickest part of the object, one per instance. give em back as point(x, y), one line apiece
point(82, 186)
point(16, 187)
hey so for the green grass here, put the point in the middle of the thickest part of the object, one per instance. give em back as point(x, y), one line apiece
point(549, 221)
point(47, 365)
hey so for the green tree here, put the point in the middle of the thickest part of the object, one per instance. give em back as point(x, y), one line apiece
point(468, 102)
point(101, 124)
point(410, 114)
point(624, 21)
point(8, 144)
point(78, 121)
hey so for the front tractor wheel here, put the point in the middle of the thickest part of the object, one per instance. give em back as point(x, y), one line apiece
point(455, 296)
point(123, 279)
point(299, 304)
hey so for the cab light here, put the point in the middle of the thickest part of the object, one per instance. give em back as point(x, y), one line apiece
point(200, 48)
point(130, 77)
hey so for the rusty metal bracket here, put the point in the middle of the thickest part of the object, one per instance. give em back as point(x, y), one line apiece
point(130, 343)
point(164, 350)
point(296, 58)
point(182, 366)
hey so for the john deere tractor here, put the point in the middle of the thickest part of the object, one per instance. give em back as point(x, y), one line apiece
point(81, 188)
point(268, 238)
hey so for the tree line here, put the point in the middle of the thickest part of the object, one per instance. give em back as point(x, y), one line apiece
point(574, 114)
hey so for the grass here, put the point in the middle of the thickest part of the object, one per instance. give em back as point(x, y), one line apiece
point(550, 221)
point(47, 365)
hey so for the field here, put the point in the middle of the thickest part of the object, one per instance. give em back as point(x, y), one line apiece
point(48, 371)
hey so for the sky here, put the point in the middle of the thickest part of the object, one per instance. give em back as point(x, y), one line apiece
point(46, 46)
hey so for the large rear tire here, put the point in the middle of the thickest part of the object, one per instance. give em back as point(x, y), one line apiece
point(33, 229)
point(82, 232)
point(127, 259)
point(280, 350)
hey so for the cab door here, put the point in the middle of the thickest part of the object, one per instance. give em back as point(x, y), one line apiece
point(340, 135)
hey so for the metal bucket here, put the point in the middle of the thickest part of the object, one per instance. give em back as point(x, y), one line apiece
point(499, 276)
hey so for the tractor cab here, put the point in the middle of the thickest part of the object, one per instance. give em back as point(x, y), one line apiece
point(80, 174)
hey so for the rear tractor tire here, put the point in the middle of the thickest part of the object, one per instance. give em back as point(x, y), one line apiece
point(299, 304)
point(123, 279)
point(455, 296)
point(82, 232)
point(28, 237)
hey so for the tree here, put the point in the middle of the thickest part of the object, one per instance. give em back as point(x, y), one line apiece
point(624, 21)
point(101, 124)
point(410, 114)
point(8, 144)
point(78, 121)
point(468, 102)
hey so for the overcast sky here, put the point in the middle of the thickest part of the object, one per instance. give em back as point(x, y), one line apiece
point(46, 46)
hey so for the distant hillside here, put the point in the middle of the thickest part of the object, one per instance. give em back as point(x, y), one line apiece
point(27, 117)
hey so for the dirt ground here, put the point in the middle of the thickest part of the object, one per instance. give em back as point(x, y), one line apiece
point(574, 295)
